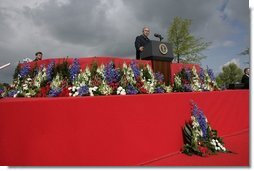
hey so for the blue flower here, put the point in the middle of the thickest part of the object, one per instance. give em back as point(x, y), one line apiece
point(159, 90)
point(36, 71)
point(159, 76)
point(210, 73)
point(55, 92)
point(112, 75)
point(130, 89)
point(49, 71)
point(195, 110)
point(74, 70)
point(84, 90)
point(202, 123)
point(199, 115)
point(135, 69)
point(11, 93)
point(188, 74)
point(24, 71)
point(1, 90)
point(187, 88)
point(202, 75)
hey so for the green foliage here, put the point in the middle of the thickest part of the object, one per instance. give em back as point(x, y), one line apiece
point(230, 74)
point(16, 72)
point(94, 68)
point(186, 47)
point(62, 69)
point(33, 71)
point(146, 74)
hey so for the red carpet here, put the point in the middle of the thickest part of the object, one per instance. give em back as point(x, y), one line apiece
point(238, 143)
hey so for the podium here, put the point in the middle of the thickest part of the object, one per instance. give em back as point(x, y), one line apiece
point(161, 55)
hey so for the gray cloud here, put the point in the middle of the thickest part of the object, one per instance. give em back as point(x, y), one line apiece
point(80, 22)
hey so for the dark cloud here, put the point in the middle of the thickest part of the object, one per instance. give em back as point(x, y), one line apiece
point(78, 22)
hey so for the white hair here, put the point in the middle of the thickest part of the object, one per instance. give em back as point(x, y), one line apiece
point(145, 28)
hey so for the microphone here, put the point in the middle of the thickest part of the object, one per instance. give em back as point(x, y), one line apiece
point(158, 35)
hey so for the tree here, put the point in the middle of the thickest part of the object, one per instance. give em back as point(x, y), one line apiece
point(230, 74)
point(186, 47)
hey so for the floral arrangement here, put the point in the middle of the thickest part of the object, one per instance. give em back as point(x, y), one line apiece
point(199, 137)
point(64, 80)
point(2, 90)
point(189, 80)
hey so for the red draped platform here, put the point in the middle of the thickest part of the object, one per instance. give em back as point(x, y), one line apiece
point(119, 130)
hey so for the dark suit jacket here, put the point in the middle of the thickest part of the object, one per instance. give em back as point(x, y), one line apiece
point(140, 41)
point(245, 80)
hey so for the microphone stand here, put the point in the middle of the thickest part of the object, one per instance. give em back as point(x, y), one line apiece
point(2, 67)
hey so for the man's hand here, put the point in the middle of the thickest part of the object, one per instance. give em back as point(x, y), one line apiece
point(141, 48)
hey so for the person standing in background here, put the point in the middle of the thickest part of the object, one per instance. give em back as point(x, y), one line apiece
point(38, 56)
point(245, 78)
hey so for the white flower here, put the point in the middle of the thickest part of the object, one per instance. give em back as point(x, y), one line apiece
point(70, 94)
point(192, 118)
point(213, 143)
point(124, 65)
point(73, 88)
point(123, 92)
point(15, 95)
point(25, 87)
point(75, 94)
point(195, 124)
point(201, 133)
point(119, 88)
point(27, 95)
point(94, 88)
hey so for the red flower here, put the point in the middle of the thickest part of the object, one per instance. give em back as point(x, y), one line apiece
point(65, 92)
point(203, 150)
point(114, 86)
point(44, 91)
point(139, 84)
point(143, 90)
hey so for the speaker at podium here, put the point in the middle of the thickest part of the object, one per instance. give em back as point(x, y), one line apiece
point(161, 55)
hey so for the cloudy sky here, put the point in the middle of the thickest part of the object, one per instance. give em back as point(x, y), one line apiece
point(85, 28)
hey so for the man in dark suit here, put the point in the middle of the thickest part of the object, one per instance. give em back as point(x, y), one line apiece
point(141, 41)
point(245, 78)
